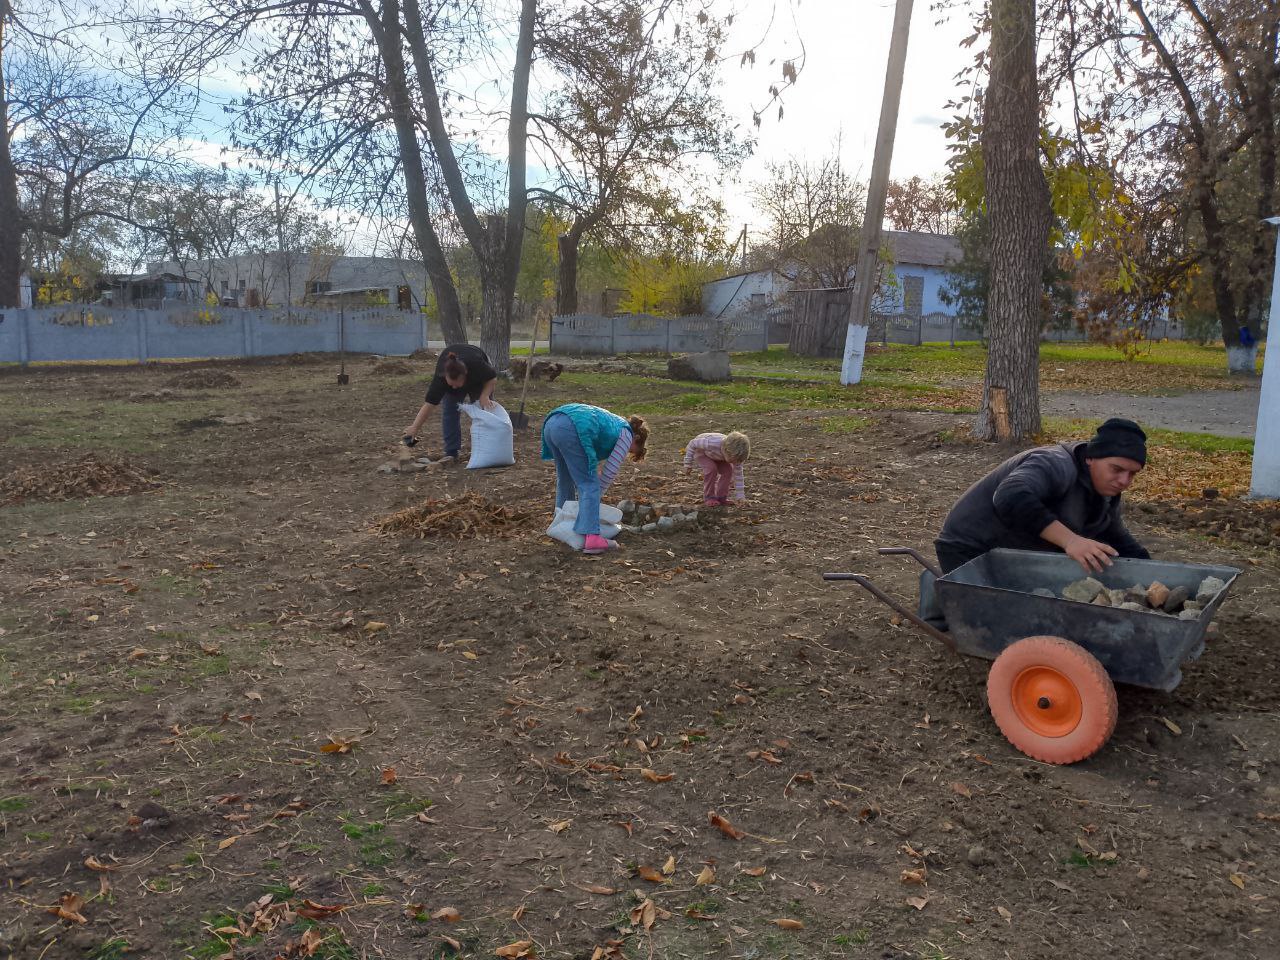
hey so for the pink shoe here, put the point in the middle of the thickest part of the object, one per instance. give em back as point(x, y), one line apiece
point(714, 502)
point(597, 544)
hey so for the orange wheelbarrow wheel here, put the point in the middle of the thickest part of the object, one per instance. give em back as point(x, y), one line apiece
point(1052, 699)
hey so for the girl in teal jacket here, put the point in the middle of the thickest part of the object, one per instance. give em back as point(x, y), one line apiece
point(588, 445)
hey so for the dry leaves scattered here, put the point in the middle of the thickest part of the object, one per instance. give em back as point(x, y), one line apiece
point(460, 518)
point(94, 475)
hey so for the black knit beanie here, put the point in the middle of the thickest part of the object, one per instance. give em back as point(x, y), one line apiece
point(1118, 438)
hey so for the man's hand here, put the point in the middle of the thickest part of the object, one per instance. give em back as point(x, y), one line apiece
point(1092, 556)
point(486, 403)
point(409, 440)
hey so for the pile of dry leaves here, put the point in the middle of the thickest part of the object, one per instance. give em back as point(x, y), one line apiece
point(460, 518)
point(202, 380)
point(93, 475)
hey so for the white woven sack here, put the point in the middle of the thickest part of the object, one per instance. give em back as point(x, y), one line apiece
point(492, 436)
point(562, 524)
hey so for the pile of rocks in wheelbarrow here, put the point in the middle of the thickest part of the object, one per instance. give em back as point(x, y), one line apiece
point(655, 517)
point(1152, 598)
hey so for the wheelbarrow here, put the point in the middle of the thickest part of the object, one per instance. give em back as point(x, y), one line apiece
point(1051, 689)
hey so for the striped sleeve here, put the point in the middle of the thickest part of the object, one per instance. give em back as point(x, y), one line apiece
point(614, 463)
point(739, 483)
point(707, 444)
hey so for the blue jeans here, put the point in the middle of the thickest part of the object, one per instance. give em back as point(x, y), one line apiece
point(451, 425)
point(572, 473)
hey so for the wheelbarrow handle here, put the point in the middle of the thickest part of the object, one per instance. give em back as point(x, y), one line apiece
point(914, 554)
point(864, 581)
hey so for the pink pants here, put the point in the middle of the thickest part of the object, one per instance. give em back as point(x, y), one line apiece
point(716, 477)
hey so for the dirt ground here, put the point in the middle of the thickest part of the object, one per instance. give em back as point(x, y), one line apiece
point(237, 722)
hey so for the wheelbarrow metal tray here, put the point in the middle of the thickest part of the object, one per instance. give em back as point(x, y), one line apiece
point(989, 604)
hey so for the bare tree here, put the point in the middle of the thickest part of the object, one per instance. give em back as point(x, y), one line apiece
point(927, 206)
point(636, 103)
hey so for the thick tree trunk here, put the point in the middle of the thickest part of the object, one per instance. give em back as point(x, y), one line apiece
point(1018, 208)
point(10, 214)
point(448, 310)
point(567, 278)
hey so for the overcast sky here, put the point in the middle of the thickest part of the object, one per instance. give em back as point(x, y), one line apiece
point(837, 97)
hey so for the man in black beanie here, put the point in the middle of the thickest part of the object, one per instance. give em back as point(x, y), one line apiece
point(1065, 496)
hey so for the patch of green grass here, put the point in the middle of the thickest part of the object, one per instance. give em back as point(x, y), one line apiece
point(704, 906)
point(376, 849)
point(278, 889)
point(372, 890)
point(218, 665)
point(844, 424)
point(81, 705)
point(214, 944)
point(123, 426)
point(401, 803)
point(171, 583)
point(14, 804)
point(334, 946)
point(39, 836)
point(855, 939)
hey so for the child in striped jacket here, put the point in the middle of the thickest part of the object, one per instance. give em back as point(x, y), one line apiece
point(721, 456)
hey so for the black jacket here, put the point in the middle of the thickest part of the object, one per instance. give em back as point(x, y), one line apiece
point(1012, 504)
point(479, 372)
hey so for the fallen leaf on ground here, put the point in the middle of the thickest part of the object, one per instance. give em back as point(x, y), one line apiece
point(253, 695)
point(725, 827)
point(513, 951)
point(318, 911)
point(518, 913)
point(454, 945)
point(767, 756)
point(650, 874)
point(669, 867)
point(919, 875)
point(753, 871)
point(788, 924)
point(918, 902)
point(705, 877)
point(373, 626)
point(447, 914)
point(1237, 879)
point(68, 907)
point(423, 818)
point(560, 826)
point(654, 777)
point(1008, 917)
point(960, 789)
point(223, 844)
point(597, 888)
point(1173, 727)
point(644, 915)
point(388, 776)
point(311, 941)
point(338, 745)
point(93, 863)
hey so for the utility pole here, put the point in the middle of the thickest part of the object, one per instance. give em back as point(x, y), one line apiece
point(284, 255)
point(864, 281)
point(1266, 436)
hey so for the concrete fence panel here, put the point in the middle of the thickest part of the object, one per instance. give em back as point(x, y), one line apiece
point(591, 334)
point(179, 331)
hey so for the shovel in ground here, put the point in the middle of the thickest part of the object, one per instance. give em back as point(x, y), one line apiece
point(521, 420)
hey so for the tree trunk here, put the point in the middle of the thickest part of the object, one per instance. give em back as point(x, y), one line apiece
point(1018, 207)
point(496, 300)
point(567, 280)
point(10, 214)
point(448, 310)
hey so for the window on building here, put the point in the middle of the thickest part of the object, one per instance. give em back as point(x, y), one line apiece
point(225, 285)
point(319, 286)
point(912, 296)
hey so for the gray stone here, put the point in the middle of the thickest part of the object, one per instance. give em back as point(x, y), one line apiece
point(1193, 606)
point(710, 367)
point(1177, 597)
point(1044, 592)
point(627, 506)
point(1189, 615)
point(649, 528)
point(665, 524)
point(1103, 599)
point(1210, 587)
point(1130, 605)
point(1082, 590)
point(978, 856)
point(677, 516)
point(1117, 597)
point(1137, 594)
point(387, 468)
point(691, 516)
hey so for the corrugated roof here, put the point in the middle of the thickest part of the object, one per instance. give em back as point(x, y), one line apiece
point(923, 249)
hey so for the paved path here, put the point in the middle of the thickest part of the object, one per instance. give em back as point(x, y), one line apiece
point(1228, 413)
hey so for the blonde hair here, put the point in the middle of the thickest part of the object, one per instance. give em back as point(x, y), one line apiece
point(736, 447)
point(639, 437)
